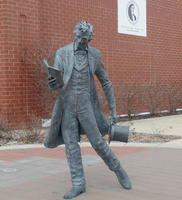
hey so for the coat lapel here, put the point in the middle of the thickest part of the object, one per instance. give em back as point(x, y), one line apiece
point(91, 60)
point(69, 54)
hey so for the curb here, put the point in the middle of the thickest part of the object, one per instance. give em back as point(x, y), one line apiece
point(177, 144)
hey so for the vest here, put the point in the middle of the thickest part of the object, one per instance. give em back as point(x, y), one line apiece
point(80, 78)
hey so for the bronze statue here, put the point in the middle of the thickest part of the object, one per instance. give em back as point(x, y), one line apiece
point(77, 109)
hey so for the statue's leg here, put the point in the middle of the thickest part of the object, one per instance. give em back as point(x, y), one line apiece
point(88, 122)
point(72, 148)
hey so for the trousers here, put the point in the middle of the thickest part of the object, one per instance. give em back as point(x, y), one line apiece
point(78, 112)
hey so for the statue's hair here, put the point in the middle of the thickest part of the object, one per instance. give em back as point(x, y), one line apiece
point(83, 28)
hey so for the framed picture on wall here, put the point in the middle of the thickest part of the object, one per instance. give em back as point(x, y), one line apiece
point(132, 17)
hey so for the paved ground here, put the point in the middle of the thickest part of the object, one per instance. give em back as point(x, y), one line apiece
point(42, 174)
point(31, 172)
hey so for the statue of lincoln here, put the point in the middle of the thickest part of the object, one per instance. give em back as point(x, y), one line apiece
point(77, 108)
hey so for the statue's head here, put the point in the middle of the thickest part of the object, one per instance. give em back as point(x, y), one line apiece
point(84, 30)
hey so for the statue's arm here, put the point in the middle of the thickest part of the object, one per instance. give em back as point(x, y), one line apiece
point(106, 85)
point(58, 61)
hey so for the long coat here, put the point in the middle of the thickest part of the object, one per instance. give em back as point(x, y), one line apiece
point(64, 61)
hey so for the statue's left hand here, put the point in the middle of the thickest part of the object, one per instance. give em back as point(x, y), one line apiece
point(114, 117)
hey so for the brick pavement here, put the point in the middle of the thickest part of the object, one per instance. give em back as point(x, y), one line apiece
point(42, 174)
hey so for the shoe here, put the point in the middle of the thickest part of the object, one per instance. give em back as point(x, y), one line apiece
point(123, 179)
point(74, 192)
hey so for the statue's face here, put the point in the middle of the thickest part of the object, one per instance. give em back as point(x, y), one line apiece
point(132, 9)
point(83, 40)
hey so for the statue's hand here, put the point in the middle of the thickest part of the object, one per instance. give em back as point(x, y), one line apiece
point(51, 82)
point(114, 117)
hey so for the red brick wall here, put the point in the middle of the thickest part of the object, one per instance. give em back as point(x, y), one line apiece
point(17, 97)
point(3, 91)
point(128, 59)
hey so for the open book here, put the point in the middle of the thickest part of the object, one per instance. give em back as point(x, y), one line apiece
point(55, 73)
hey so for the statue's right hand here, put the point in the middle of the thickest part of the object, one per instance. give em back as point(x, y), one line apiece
point(51, 82)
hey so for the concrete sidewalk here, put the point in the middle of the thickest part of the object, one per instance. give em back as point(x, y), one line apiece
point(167, 125)
point(42, 174)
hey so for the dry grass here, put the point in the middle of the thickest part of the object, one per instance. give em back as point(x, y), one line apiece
point(34, 135)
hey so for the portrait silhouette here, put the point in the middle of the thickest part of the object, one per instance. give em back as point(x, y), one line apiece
point(131, 12)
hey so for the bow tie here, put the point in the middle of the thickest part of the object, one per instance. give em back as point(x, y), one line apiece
point(80, 52)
